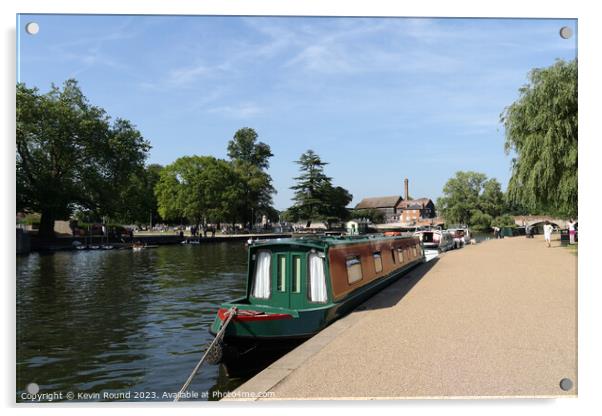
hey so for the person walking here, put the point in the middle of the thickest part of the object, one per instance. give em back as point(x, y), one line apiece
point(572, 231)
point(547, 233)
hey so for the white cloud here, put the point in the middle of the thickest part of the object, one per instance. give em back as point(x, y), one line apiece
point(186, 75)
point(245, 110)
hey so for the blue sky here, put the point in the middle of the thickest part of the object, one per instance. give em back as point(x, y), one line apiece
point(380, 99)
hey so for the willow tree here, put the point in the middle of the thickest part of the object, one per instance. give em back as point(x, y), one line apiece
point(541, 130)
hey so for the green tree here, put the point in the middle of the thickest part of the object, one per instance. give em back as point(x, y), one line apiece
point(315, 197)
point(470, 198)
point(198, 188)
point(244, 148)
point(250, 159)
point(541, 130)
point(337, 198)
point(375, 216)
point(138, 202)
point(492, 200)
point(480, 221)
point(505, 220)
point(461, 197)
point(70, 155)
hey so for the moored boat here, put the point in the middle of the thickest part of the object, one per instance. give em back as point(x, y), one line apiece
point(461, 236)
point(440, 240)
point(298, 286)
point(457, 235)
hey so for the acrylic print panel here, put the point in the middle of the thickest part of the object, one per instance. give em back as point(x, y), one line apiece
point(157, 154)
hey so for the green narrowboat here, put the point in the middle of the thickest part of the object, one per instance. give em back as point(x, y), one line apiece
point(298, 286)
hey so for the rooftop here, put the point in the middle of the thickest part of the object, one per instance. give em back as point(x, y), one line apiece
point(415, 203)
point(379, 202)
point(323, 241)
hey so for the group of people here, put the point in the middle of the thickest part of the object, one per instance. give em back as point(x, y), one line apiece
point(548, 229)
point(194, 231)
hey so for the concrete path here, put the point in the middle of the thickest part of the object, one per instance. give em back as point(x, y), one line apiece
point(494, 319)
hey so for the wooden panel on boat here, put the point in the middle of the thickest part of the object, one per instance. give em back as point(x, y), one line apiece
point(338, 255)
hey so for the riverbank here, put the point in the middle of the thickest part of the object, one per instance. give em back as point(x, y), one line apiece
point(497, 319)
point(67, 243)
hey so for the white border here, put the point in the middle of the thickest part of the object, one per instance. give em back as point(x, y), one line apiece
point(589, 152)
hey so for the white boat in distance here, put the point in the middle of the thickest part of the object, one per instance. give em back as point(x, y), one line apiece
point(440, 240)
point(461, 236)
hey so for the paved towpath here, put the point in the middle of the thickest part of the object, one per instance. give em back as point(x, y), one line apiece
point(493, 319)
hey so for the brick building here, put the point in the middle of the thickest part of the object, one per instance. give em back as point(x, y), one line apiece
point(400, 209)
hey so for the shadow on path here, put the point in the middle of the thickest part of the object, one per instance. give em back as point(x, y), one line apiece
point(392, 294)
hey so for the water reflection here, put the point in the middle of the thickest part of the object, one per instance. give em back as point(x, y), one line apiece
point(96, 321)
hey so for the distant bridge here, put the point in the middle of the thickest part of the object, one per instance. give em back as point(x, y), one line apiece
point(531, 220)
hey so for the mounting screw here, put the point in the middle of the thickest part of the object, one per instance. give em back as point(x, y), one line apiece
point(565, 32)
point(566, 384)
point(32, 28)
point(32, 388)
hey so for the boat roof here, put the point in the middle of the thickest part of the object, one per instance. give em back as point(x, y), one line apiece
point(323, 242)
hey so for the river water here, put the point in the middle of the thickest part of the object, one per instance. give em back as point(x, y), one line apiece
point(120, 321)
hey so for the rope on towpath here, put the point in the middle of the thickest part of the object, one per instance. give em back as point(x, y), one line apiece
point(218, 337)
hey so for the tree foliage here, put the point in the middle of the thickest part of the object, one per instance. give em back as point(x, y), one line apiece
point(315, 197)
point(470, 198)
point(461, 197)
point(71, 155)
point(505, 220)
point(138, 202)
point(480, 221)
point(492, 200)
point(375, 216)
point(198, 189)
point(541, 130)
point(244, 148)
point(250, 159)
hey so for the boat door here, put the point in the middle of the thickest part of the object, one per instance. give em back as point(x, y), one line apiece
point(288, 279)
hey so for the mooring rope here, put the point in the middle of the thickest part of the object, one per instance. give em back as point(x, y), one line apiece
point(220, 334)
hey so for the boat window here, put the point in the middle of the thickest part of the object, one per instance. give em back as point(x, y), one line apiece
point(400, 254)
point(414, 251)
point(296, 283)
point(281, 276)
point(393, 255)
point(261, 280)
point(354, 269)
point(378, 262)
point(317, 279)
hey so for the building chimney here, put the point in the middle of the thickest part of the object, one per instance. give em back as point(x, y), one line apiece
point(406, 194)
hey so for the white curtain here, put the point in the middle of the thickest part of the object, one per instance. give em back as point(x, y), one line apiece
point(261, 284)
point(317, 282)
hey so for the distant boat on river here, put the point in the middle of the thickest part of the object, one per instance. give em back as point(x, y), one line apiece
point(437, 239)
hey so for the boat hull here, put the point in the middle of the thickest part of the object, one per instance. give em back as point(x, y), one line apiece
point(242, 357)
